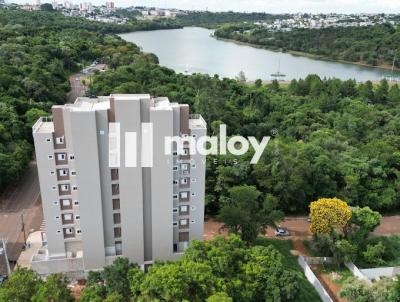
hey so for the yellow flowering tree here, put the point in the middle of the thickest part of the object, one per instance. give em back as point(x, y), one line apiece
point(328, 214)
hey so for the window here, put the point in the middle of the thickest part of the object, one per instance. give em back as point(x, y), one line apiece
point(175, 196)
point(78, 231)
point(117, 218)
point(50, 157)
point(175, 223)
point(101, 132)
point(77, 217)
point(58, 231)
point(57, 217)
point(175, 168)
point(175, 153)
point(54, 188)
point(48, 140)
point(184, 167)
point(61, 156)
point(72, 157)
point(118, 247)
point(55, 203)
point(76, 203)
point(184, 181)
point(52, 172)
point(193, 194)
point(194, 135)
point(73, 173)
point(116, 204)
point(114, 174)
point(184, 195)
point(192, 208)
point(74, 188)
point(175, 182)
point(60, 140)
point(194, 166)
point(192, 221)
point(117, 232)
point(115, 189)
point(175, 210)
point(193, 179)
point(185, 151)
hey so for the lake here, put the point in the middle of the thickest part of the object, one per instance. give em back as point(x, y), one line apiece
point(193, 49)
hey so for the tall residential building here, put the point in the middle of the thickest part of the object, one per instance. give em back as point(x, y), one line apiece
point(95, 213)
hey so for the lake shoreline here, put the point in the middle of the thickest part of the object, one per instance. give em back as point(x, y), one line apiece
point(196, 50)
point(307, 55)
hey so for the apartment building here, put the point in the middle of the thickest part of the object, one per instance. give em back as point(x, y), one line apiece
point(95, 212)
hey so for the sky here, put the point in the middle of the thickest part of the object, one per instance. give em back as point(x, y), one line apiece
point(270, 6)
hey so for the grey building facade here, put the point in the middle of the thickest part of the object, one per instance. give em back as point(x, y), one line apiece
point(95, 212)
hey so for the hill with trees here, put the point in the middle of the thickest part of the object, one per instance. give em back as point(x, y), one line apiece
point(373, 45)
point(330, 138)
point(38, 51)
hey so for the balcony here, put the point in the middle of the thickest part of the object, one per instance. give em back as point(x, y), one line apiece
point(62, 174)
point(65, 204)
point(69, 233)
point(184, 210)
point(184, 182)
point(184, 196)
point(64, 189)
point(61, 158)
point(67, 218)
point(183, 224)
point(59, 142)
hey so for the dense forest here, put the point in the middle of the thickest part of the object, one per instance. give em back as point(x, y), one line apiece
point(214, 19)
point(330, 137)
point(372, 45)
point(221, 270)
point(38, 50)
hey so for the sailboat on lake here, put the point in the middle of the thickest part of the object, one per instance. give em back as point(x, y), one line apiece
point(278, 75)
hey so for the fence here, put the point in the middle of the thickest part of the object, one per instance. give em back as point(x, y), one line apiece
point(356, 272)
point(314, 280)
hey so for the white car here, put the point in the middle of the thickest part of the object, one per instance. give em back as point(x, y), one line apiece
point(281, 232)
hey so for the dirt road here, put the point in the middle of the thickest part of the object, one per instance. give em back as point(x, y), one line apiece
point(21, 199)
point(299, 227)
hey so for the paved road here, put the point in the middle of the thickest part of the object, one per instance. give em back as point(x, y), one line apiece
point(77, 88)
point(21, 199)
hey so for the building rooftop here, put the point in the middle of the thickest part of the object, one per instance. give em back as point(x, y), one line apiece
point(197, 121)
point(84, 104)
point(43, 125)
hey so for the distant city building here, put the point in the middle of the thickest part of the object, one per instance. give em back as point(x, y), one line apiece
point(110, 5)
point(95, 213)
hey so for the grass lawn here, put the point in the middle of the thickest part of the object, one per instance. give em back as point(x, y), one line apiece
point(307, 291)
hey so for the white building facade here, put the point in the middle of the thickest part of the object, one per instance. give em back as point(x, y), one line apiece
point(93, 212)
